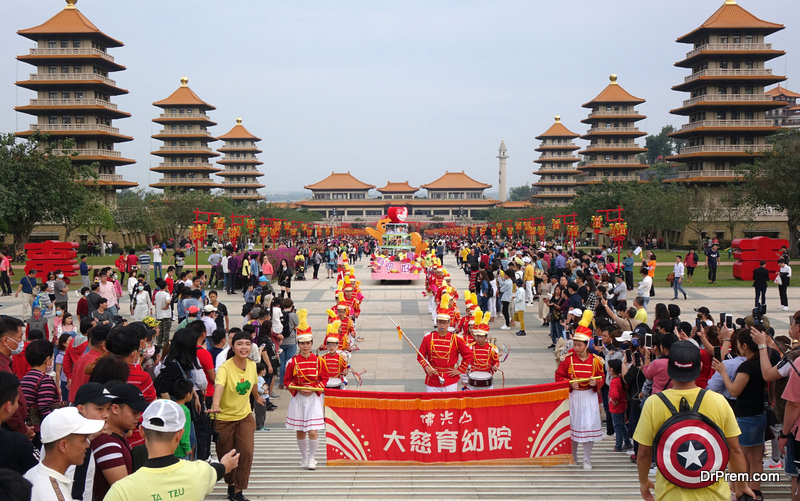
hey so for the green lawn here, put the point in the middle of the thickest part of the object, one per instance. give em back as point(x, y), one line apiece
point(108, 259)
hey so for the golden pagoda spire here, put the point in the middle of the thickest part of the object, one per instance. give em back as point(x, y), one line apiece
point(239, 121)
point(613, 79)
point(730, 2)
point(558, 118)
point(71, 4)
point(184, 81)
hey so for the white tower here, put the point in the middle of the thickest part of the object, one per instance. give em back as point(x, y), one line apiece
point(502, 185)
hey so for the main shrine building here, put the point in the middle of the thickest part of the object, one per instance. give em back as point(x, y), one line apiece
point(453, 195)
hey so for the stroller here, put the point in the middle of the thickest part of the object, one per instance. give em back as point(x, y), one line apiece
point(299, 268)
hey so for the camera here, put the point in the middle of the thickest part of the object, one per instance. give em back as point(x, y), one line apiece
point(758, 315)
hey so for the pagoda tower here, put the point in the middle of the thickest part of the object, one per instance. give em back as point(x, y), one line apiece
point(240, 163)
point(612, 135)
point(557, 171)
point(186, 153)
point(73, 92)
point(727, 105)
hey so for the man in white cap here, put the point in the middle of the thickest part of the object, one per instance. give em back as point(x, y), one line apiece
point(528, 275)
point(209, 319)
point(65, 438)
point(164, 474)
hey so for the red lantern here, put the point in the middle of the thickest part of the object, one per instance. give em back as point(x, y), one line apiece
point(219, 225)
point(251, 225)
point(263, 230)
point(572, 230)
point(198, 232)
point(555, 224)
point(234, 232)
point(597, 223)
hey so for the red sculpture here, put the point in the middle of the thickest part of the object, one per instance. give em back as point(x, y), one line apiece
point(750, 251)
point(53, 255)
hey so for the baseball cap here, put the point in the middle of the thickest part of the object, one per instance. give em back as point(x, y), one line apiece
point(625, 337)
point(192, 310)
point(641, 330)
point(705, 311)
point(262, 278)
point(684, 361)
point(576, 312)
point(209, 308)
point(129, 395)
point(93, 393)
point(526, 259)
point(67, 421)
point(164, 415)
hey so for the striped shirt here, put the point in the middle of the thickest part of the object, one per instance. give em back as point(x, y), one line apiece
point(142, 380)
point(110, 451)
point(45, 397)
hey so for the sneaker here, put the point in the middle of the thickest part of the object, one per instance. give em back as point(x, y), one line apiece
point(551, 347)
point(616, 450)
point(274, 396)
point(653, 471)
point(769, 463)
point(239, 496)
point(587, 465)
point(628, 448)
point(304, 463)
point(231, 492)
point(505, 328)
point(312, 464)
point(633, 458)
point(521, 333)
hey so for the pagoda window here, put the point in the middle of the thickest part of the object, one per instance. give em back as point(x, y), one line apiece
point(65, 69)
point(748, 65)
point(624, 141)
point(181, 128)
point(608, 125)
point(174, 110)
point(607, 157)
point(183, 143)
point(748, 39)
point(65, 44)
point(52, 120)
point(749, 140)
point(625, 157)
point(625, 108)
point(180, 110)
point(722, 90)
point(734, 140)
point(719, 141)
point(66, 120)
point(723, 65)
point(723, 39)
point(191, 143)
point(736, 65)
point(608, 108)
point(191, 159)
point(80, 120)
point(53, 94)
point(736, 90)
point(188, 111)
point(748, 90)
point(76, 44)
point(719, 165)
point(81, 145)
point(51, 44)
point(77, 68)
point(721, 115)
point(173, 127)
point(607, 173)
point(616, 157)
point(174, 143)
point(748, 115)
point(737, 39)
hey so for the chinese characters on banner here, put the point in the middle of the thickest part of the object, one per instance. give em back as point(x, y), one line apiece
point(523, 425)
point(388, 265)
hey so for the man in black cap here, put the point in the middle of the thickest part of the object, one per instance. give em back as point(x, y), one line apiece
point(684, 368)
point(112, 452)
point(93, 402)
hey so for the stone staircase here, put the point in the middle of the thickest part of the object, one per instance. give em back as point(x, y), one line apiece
point(276, 475)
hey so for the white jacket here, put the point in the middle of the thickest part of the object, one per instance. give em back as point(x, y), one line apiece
point(644, 287)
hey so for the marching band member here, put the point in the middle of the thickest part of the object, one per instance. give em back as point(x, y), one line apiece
point(468, 332)
point(335, 363)
point(306, 377)
point(343, 340)
point(439, 352)
point(584, 371)
point(485, 356)
point(349, 299)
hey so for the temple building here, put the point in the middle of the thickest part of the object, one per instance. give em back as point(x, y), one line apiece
point(73, 93)
point(186, 155)
point(612, 150)
point(240, 177)
point(789, 114)
point(727, 106)
point(342, 196)
point(557, 172)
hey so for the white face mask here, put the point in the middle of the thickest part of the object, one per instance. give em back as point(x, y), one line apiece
point(60, 275)
point(150, 351)
point(19, 348)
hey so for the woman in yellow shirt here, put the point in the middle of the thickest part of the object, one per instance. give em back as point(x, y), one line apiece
point(236, 380)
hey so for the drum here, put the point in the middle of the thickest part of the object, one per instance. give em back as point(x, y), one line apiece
point(480, 379)
point(335, 383)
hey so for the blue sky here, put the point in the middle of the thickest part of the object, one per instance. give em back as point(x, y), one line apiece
point(389, 90)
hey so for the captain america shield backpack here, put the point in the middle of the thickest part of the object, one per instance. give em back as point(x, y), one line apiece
point(689, 443)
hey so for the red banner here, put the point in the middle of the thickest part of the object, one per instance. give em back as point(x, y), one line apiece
point(522, 425)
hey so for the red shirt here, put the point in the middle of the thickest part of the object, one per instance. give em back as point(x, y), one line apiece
point(71, 355)
point(17, 421)
point(20, 363)
point(142, 380)
point(311, 372)
point(705, 371)
point(335, 364)
point(133, 260)
point(617, 392)
point(170, 284)
point(82, 309)
point(572, 367)
point(441, 353)
point(484, 359)
point(79, 376)
point(207, 363)
point(110, 451)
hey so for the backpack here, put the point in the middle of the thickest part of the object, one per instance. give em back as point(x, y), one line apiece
point(490, 292)
point(689, 443)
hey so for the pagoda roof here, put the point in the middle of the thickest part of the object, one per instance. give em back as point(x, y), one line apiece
point(613, 93)
point(70, 21)
point(731, 16)
point(780, 91)
point(455, 180)
point(183, 96)
point(239, 132)
point(340, 181)
point(557, 130)
point(403, 187)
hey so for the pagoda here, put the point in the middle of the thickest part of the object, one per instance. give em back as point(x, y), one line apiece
point(186, 153)
point(240, 163)
point(611, 154)
point(727, 105)
point(73, 93)
point(557, 172)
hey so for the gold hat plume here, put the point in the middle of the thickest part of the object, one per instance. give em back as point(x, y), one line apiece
point(302, 325)
point(334, 326)
point(330, 312)
point(476, 316)
point(586, 319)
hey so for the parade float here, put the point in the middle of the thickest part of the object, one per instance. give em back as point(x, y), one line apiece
point(399, 251)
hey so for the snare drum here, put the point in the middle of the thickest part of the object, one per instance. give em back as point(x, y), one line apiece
point(480, 379)
point(335, 383)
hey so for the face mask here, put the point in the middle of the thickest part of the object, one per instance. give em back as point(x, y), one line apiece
point(49, 368)
point(150, 351)
point(59, 313)
point(624, 346)
point(18, 349)
point(60, 275)
point(141, 287)
point(87, 294)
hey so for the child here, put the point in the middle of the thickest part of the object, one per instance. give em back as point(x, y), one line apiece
point(519, 306)
point(260, 410)
point(180, 394)
point(334, 362)
point(250, 295)
point(618, 406)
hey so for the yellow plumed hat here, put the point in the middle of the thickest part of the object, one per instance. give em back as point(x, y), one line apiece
point(303, 329)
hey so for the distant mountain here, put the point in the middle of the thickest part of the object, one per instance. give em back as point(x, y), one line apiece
point(287, 196)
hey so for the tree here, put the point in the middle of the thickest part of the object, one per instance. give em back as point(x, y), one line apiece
point(38, 186)
point(97, 218)
point(773, 181)
point(662, 145)
point(520, 193)
point(702, 208)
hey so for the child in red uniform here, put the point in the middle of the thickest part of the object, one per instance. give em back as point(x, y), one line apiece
point(618, 406)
